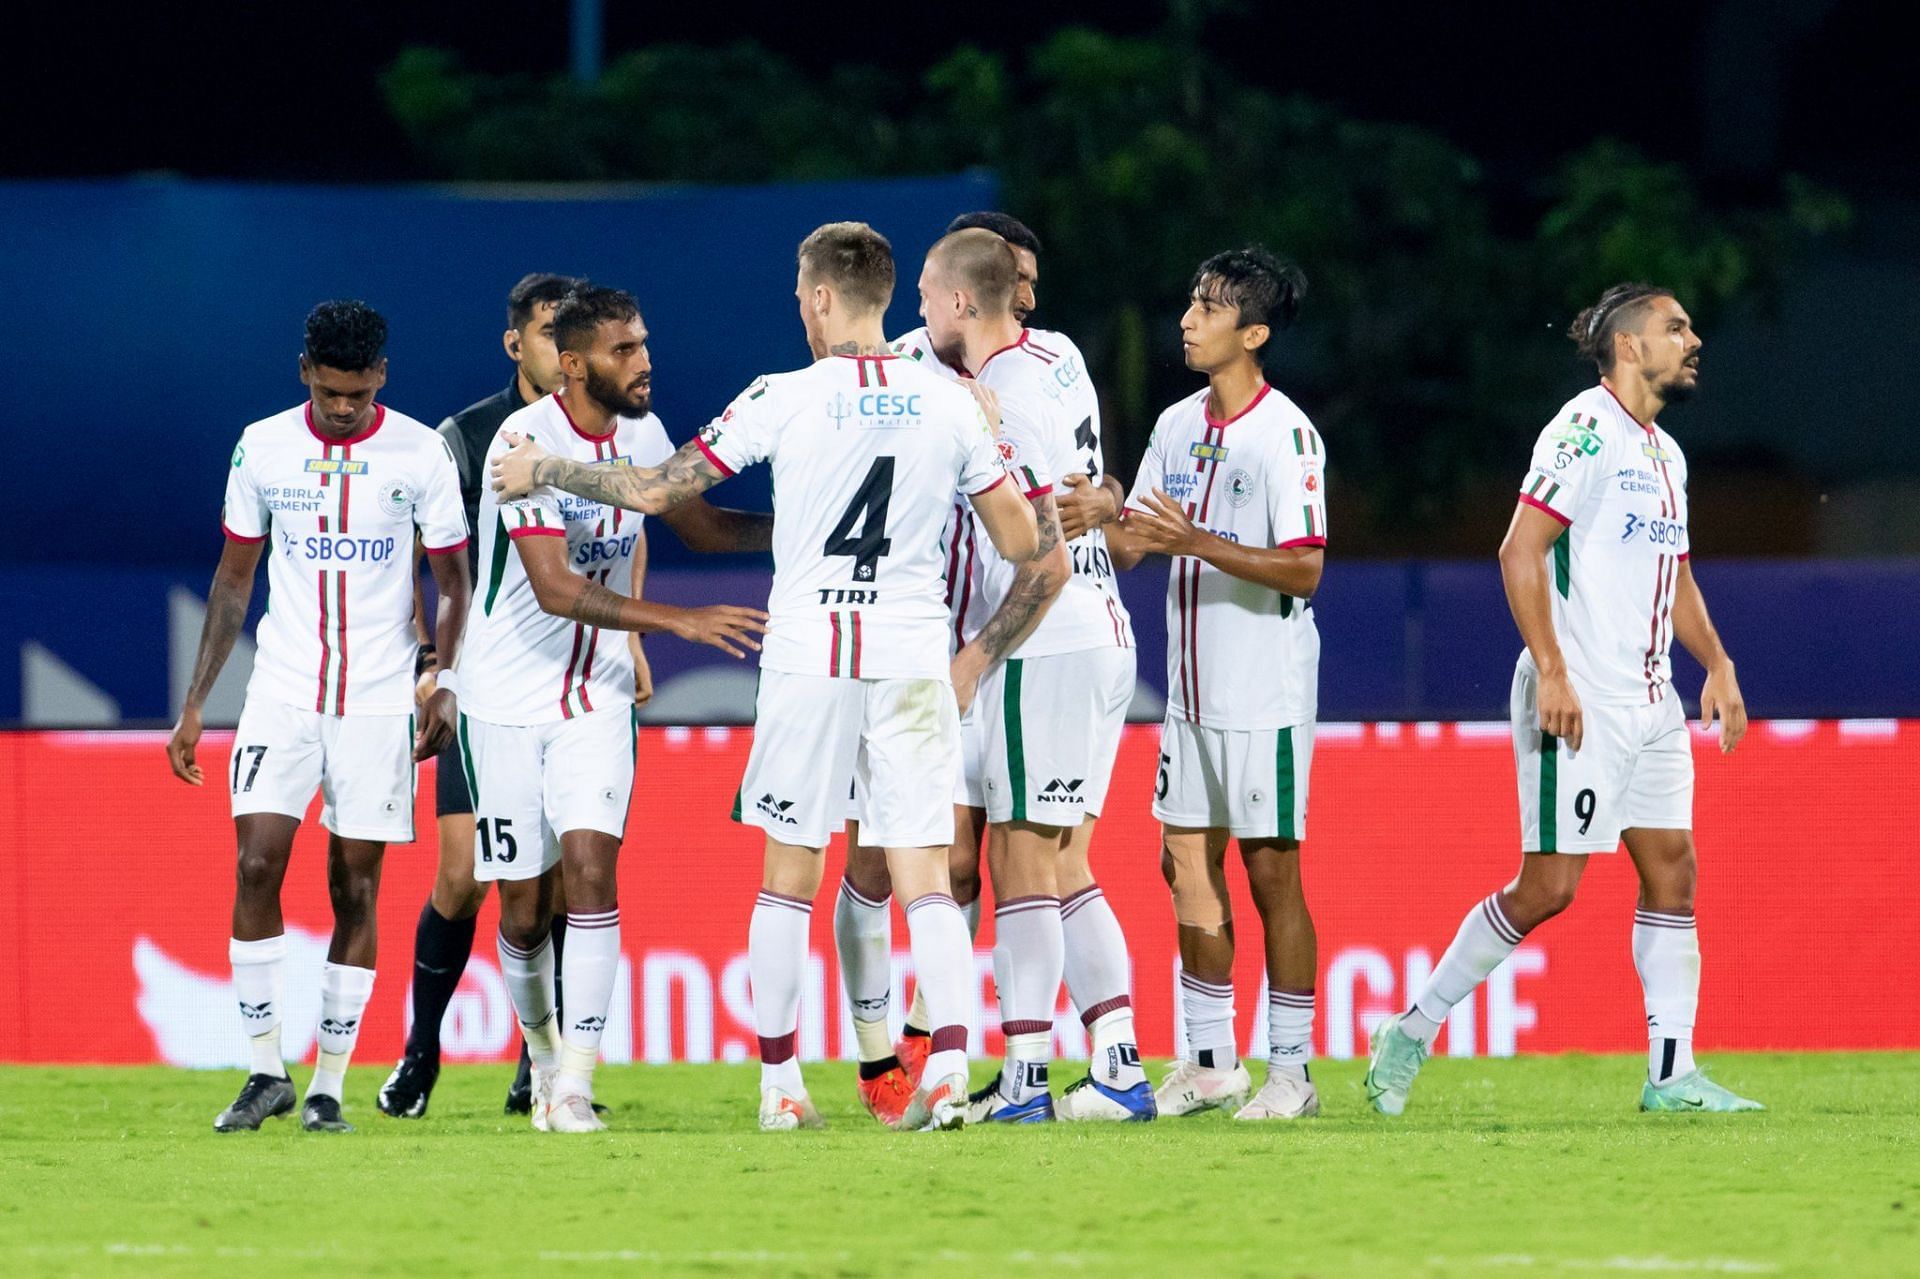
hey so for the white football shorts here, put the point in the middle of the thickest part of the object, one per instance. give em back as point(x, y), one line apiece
point(1051, 733)
point(1634, 768)
point(531, 783)
point(1250, 782)
point(894, 743)
point(362, 765)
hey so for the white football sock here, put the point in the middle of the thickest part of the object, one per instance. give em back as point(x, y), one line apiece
point(1289, 1031)
point(528, 975)
point(344, 992)
point(1666, 951)
point(943, 965)
point(917, 1010)
point(588, 965)
point(1029, 956)
point(776, 961)
point(1100, 981)
point(1485, 939)
point(863, 936)
point(258, 977)
point(1208, 1010)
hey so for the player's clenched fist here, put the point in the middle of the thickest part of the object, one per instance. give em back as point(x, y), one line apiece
point(1560, 714)
point(513, 470)
point(724, 626)
point(180, 747)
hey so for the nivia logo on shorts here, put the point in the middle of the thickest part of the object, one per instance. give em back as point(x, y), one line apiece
point(1062, 790)
point(775, 808)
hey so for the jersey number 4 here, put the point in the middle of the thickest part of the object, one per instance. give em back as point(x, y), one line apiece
point(868, 509)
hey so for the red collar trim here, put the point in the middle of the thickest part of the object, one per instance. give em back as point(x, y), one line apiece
point(841, 355)
point(1645, 426)
point(1258, 396)
point(1016, 343)
point(612, 430)
point(379, 417)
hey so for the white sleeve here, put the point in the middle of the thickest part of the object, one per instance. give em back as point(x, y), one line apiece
point(981, 466)
point(439, 513)
point(743, 433)
point(1023, 447)
point(243, 515)
point(1567, 468)
point(535, 515)
point(1297, 490)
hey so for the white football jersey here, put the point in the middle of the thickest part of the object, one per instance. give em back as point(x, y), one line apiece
point(338, 634)
point(918, 347)
point(867, 454)
point(1049, 429)
point(520, 664)
point(1239, 656)
point(1621, 488)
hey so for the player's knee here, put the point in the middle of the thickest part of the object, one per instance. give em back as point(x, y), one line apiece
point(591, 889)
point(964, 882)
point(1199, 899)
point(259, 870)
point(354, 895)
point(1545, 901)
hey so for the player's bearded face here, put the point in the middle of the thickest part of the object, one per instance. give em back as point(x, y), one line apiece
point(1026, 277)
point(618, 388)
point(1670, 352)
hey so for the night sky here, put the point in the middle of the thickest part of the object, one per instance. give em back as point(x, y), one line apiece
point(258, 90)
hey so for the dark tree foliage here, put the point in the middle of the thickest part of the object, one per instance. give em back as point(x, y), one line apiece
point(1431, 344)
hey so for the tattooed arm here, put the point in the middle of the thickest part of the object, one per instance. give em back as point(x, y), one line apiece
point(1037, 581)
point(651, 490)
point(565, 593)
point(705, 527)
point(226, 616)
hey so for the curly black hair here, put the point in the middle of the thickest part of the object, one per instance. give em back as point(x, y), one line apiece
point(345, 335)
point(581, 313)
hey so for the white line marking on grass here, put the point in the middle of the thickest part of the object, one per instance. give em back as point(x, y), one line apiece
point(1656, 1264)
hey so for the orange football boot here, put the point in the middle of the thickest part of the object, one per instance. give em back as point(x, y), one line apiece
point(886, 1097)
point(913, 1050)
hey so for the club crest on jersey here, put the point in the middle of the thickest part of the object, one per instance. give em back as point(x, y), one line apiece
point(1207, 452)
point(1008, 450)
point(334, 466)
point(1310, 481)
point(1239, 488)
point(396, 498)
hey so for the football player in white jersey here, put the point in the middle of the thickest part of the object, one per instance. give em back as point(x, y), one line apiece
point(1599, 578)
point(867, 449)
point(1049, 649)
point(1232, 488)
point(340, 486)
point(548, 728)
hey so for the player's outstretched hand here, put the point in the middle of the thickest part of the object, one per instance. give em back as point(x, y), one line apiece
point(513, 470)
point(988, 401)
point(1163, 528)
point(180, 747)
point(1560, 714)
point(1083, 506)
point(727, 627)
point(969, 664)
point(1721, 695)
point(439, 718)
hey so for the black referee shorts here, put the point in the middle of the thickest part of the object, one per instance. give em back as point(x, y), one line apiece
point(450, 783)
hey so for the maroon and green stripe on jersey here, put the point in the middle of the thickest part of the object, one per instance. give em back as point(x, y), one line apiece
point(331, 698)
point(844, 632)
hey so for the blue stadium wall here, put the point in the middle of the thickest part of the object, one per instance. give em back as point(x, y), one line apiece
point(154, 319)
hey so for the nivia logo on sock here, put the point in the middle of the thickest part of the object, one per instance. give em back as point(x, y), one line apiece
point(591, 1024)
point(256, 1012)
point(337, 1026)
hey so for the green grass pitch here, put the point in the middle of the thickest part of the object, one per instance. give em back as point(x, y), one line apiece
point(1519, 1167)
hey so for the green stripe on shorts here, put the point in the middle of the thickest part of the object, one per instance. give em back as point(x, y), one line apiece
point(1283, 784)
point(1016, 743)
point(1549, 793)
point(466, 764)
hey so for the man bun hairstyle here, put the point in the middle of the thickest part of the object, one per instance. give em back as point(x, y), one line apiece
point(345, 335)
point(981, 262)
point(1619, 310)
point(584, 309)
point(535, 289)
point(852, 258)
point(1004, 225)
point(1265, 287)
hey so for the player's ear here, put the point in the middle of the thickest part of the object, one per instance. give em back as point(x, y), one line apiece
point(306, 370)
point(380, 373)
point(510, 341)
point(1255, 336)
